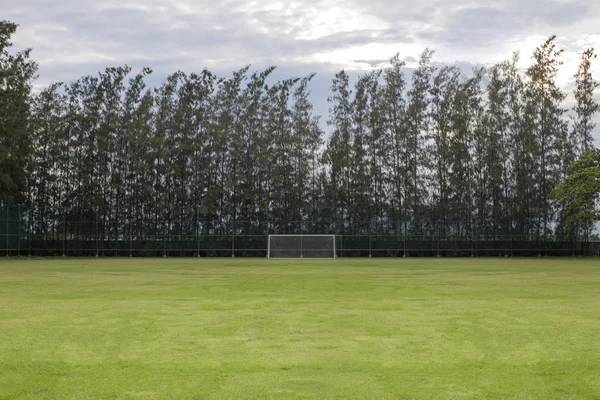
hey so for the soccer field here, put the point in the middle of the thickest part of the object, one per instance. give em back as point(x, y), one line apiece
point(328, 329)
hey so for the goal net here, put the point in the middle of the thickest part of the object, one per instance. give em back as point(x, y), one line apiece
point(301, 246)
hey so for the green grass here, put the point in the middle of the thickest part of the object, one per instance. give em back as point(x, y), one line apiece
point(339, 329)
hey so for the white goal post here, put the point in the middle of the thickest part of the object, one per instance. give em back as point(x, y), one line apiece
point(301, 246)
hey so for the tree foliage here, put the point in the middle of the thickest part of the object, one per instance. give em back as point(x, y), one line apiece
point(408, 150)
point(579, 193)
point(17, 72)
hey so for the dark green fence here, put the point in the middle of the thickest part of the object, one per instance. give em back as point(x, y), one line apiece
point(19, 238)
point(12, 230)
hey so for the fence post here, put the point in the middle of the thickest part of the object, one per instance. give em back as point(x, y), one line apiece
point(404, 239)
point(130, 238)
point(165, 240)
point(97, 233)
point(65, 234)
point(7, 252)
point(29, 230)
point(198, 239)
point(233, 240)
point(19, 231)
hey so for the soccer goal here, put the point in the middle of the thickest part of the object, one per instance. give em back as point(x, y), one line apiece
point(301, 246)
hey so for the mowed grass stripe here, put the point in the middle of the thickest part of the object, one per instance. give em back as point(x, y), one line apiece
point(327, 329)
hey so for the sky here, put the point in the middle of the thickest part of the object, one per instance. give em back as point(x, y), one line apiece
point(72, 38)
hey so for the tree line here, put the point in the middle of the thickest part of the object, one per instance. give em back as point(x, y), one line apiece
point(421, 151)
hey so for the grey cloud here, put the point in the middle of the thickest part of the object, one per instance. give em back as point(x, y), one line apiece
point(489, 24)
point(440, 23)
point(72, 38)
point(372, 63)
point(558, 13)
point(220, 33)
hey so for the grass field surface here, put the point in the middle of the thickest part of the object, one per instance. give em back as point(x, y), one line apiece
point(328, 329)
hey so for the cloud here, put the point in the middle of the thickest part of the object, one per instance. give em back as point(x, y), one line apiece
point(232, 33)
point(72, 38)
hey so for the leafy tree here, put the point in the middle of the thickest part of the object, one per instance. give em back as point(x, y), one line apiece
point(418, 120)
point(17, 72)
point(499, 145)
point(137, 132)
point(579, 193)
point(398, 137)
point(307, 140)
point(377, 142)
point(360, 179)
point(47, 126)
point(443, 91)
point(338, 153)
point(467, 159)
point(546, 127)
point(587, 105)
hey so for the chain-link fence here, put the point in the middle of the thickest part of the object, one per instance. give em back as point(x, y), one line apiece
point(19, 236)
point(13, 235)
